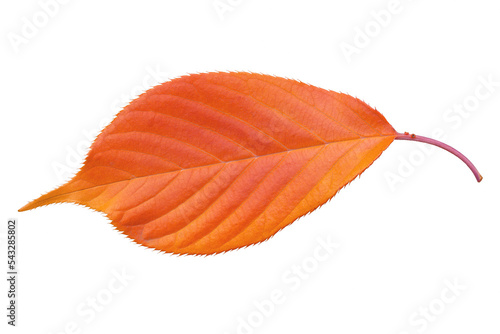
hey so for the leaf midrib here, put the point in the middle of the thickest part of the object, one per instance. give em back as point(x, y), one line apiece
point(218, 163)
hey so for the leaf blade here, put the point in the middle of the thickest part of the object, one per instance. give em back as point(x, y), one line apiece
point(216, 161)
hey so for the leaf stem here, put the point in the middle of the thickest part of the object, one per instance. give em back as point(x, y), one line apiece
point(407, 136)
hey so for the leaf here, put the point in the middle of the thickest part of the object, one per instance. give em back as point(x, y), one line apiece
point(211, 162)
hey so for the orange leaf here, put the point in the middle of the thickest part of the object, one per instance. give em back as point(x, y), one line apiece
point(211, 162)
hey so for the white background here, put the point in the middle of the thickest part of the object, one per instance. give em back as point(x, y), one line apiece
point(399, 244)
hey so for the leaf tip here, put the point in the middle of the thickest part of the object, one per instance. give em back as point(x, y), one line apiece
point(25, 208)
point(31, 205)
